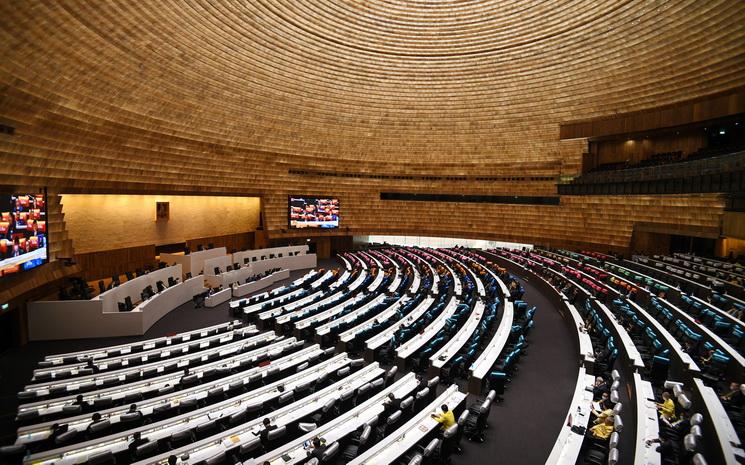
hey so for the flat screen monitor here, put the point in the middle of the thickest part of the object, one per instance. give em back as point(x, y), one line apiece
point(24, 239)
point(313, 212)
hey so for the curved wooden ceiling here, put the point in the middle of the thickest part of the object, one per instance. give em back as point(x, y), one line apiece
point(394, 81)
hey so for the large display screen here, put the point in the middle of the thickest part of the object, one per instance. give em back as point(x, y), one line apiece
point(314, 212)
point(23, 232)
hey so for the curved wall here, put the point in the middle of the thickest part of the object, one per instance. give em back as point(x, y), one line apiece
point(191, 97)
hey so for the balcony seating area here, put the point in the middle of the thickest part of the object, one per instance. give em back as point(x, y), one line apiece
point(715, 170)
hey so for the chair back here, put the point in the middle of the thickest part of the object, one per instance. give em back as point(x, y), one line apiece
point(216, 459)
point(416, 460)
point(250, 446)
point(147, 449)
point(613, 456)
point(330, 452)
point(698, 459)
point(102, 458)
point(431, 448)
point(100, 427)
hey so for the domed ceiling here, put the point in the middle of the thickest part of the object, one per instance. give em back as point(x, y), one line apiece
point(389, 81)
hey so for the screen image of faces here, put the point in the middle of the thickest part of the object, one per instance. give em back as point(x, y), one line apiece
point(23, 232)
point(312, 212)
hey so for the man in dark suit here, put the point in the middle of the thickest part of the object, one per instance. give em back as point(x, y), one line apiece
point(82, 403)
point(318, 449)
point(264, 433)
point(137, 441)
point(391, 404)
point(598, 388)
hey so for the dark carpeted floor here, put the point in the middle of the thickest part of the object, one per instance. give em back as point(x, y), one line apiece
point(523, 427)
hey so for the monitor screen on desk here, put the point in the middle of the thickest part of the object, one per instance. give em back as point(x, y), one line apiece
point(24, 240)
point(313, 212)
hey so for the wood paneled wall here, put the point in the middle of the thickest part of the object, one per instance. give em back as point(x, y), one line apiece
point(108, 222)
point(691, 111)
point(108, 263)
point(232, 242)
point(600, 222)
point(637, 149)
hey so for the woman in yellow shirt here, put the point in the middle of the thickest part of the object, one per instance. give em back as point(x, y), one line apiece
point(667, 407)
point(603, 430)
point(601, 415)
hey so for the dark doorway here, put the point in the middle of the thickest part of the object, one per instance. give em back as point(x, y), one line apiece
point(701, 246)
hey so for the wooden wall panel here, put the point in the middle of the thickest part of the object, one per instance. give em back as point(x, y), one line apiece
point(232, 242)
point(107, 222)
point(733, 225)
point(678, 114)
point(108, 263)
point(588, 221)
point(636, 149)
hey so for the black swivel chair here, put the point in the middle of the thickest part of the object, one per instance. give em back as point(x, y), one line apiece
point(216, 459)
point(98, 429)
point(275, 438)
point(330, 452)
point(146, 450)
point(357, 445)
point(249, 449)
point(13, 455)
point(206, 429)
point(104, 458)
point(181, 439)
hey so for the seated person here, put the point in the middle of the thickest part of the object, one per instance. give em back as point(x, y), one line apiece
point(679, 427)
point(666, 446)
point(317, 450)
point(706, 359)
point(92, 365)
point(667, 407)
point(96, 418)
point(422, 382)
point(137, 441)
point(186, 373)
point(600, 415)
point(599, 387)
point(264, 433)
point(133, 409)
point(733, 397)
point(82, 403)
point(604, 403)
point(391, 404)
point(602, 431)
point(446, 419)
point(58, 429)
